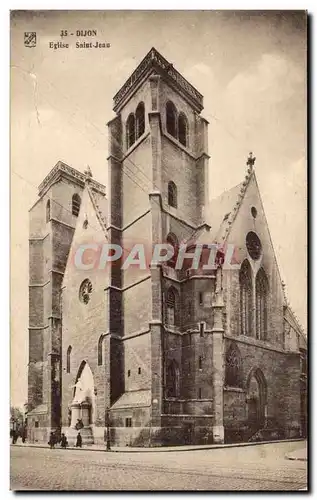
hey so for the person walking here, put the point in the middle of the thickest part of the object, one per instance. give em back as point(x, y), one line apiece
point(79, 440)
point(64, 441)
point(51, 442)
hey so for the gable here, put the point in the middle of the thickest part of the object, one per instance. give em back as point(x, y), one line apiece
point(90, 230)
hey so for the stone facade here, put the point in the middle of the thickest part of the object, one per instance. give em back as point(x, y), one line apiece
point(152, 350)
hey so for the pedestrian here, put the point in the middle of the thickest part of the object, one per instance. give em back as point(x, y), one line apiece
point(79, 440)
point(64, 441)
point(51, 442)
point(14, 438)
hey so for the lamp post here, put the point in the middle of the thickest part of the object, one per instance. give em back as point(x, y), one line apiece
point(107, 425)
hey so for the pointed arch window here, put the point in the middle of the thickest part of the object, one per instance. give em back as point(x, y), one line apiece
point(245, 298)
point(140, 120)
point(183, 129)
point(130, 130)
point(172, 240)
point(100, 350)
point(172, 194)
point(233, 368)
point(172, 380)
point(261, 293)
point(172, 301)
point(76, 201)
point(171, 119)
point(69, 351)
point(48, 210)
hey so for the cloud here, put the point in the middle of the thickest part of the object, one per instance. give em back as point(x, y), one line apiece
point(272, 79)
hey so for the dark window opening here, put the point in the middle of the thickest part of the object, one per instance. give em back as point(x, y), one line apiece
point(130, 130)
point(100, 348)
point(128, 422)
point(36, 424)
point(140, 120)
point(233, 369)
point(139, 370)
point(76, 201)
point(69, 351)
point(201, 329)
point(183, 129)
point(172, 194)
point(129, 373)
point(171, 119)
point(199, 393)
point(261, 291)
point(200, 362)
point(48, 210)
point(201, 299)
point(245, 298)
point(172, 380)
point(172, 309)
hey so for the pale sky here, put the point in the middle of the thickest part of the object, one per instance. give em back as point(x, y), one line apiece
point(251, 69)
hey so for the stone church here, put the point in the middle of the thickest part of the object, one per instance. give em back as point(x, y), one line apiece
point(158, 355)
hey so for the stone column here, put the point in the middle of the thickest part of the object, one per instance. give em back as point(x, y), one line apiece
point(217, 362)
point(85, 409)
point(75, 408)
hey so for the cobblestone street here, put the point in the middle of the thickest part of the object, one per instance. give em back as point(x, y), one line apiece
point(261, 467)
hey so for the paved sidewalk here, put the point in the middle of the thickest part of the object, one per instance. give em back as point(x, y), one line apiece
point(156, 449)
point(300, 454)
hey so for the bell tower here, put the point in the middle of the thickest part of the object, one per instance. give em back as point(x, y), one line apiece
point(158, 177)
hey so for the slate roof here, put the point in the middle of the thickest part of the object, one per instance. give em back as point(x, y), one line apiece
point(135, 399)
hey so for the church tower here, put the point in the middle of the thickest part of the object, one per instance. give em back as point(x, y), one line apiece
point(158, 177)
point(52, 222)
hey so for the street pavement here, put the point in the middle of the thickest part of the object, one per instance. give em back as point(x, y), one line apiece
point(260, 467)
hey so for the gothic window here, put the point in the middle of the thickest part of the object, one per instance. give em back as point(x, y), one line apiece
point(172, 307)
point(140, 120)
point(245, 298)
point(172, 380)
point(172, 240)
point(261, 292)
point(76, 204)
point(48, 210)
point(100, 350)
point(233, 369)
point(130, 130)
point(85, 290)
point(254, 246)
point(171, 119)
point(69, 350)
point(183, 129)
point(172, 194)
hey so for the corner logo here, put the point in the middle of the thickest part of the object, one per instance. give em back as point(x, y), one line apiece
point(30, 39)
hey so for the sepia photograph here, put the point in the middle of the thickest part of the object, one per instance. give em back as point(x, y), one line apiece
point(158, 165)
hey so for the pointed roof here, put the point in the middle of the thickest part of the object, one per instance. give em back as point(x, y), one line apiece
point(155, 63)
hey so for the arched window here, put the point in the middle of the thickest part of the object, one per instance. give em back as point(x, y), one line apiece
point(172, 194)
point(261, 292)
point(76, 204)
point(172, 380)
point(69, 351)
point(172, 317)
point(140, 120)
point(48, 210)
point(130, 130)
point(233, 369)
point(183, 129)
point(171, 239)
point(100, 350)
point(171, 119)
point(245, 298)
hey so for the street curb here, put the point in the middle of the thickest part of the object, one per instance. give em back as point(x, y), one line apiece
point(161, 449)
